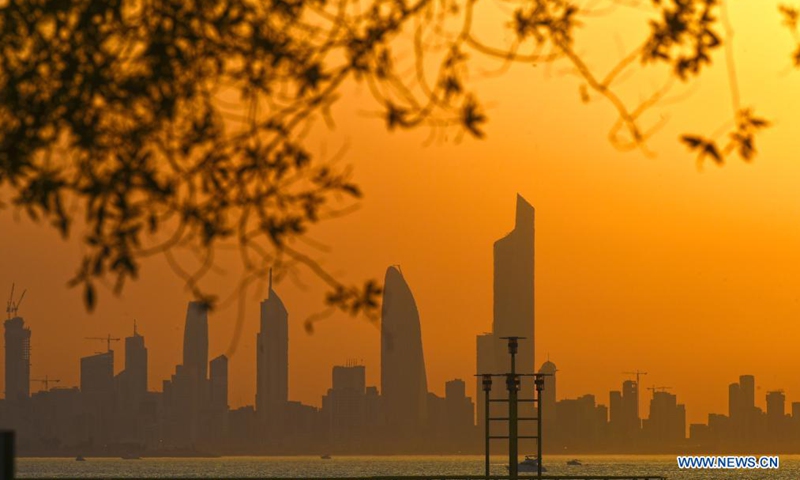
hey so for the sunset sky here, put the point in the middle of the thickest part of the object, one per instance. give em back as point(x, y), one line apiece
point(691, 274)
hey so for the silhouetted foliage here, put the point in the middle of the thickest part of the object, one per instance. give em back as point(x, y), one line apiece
point(683, 36)
point(742, 139)
point(790, 18)
point(160, 124)
point(121, 105)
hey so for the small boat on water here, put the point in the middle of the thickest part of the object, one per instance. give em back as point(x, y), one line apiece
point(529, 465)
point(325, 457)
point(574, 462)
point(80, 458)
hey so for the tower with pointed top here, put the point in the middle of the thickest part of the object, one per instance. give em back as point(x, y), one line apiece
point(272, 361)
point(404, 385)
point(189, 385)
point(136, 364)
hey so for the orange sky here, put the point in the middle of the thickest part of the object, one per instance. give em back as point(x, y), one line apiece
point(641, 262)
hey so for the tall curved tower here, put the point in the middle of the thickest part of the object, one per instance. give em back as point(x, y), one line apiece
point(404, 384)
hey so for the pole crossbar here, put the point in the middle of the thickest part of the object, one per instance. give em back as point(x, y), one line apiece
point(505, 400)
point(507, 418)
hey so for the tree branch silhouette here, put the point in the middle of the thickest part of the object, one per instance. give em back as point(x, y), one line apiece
point(181, 124)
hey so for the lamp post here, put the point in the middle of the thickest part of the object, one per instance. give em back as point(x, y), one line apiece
point(487, 388)
point(7, 455)
point(512, 384)
point(539, 382)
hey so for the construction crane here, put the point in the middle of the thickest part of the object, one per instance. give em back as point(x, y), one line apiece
point(11, 306)
point(655, 389)
point(46, 381)
point(107, 339)
point(638, 374)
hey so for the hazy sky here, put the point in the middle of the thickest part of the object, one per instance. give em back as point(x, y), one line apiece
point(649, 263)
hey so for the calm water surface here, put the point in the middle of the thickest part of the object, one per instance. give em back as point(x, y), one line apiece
point(314, 467)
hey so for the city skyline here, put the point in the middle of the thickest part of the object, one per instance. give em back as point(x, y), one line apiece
point(116, 414)
point(194, 409)
point(360, 341)
point(19, 330)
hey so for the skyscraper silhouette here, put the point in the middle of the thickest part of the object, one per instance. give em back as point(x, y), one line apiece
point(195, 340)
point(135, 364)
point(734, 401)
point(131, 384)
point(666, 424)
point(459, 413)
point(97, 394)
point(186, 394)
point(97, 373)
point(18, 359)
point(272, 357)
point(485, 347)
point(776, 414)
point(741, 405)
point(549, 417)
point(219, 383)
point(513, 287)
point(630, 404)
point(345, 403)
point(213, 418)
point(404, 384)
point(513, 310)
point(747, 391)
point(625, 422)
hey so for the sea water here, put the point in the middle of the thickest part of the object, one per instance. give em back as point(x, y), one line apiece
point(363, 466)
